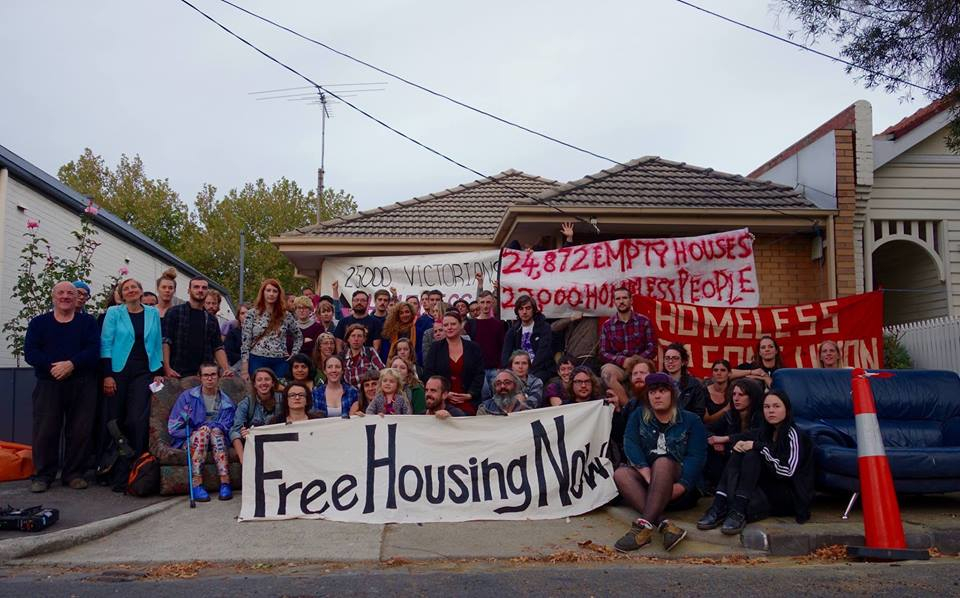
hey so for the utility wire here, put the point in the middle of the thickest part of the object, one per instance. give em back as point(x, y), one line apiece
point(321, 89)
point(809, 49)
point(422, 87)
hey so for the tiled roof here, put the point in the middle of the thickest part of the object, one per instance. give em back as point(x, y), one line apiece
point(653, 182)
point(472, 210)
point(916, 119)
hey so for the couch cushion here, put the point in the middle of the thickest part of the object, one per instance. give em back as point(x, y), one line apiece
point(904, 463)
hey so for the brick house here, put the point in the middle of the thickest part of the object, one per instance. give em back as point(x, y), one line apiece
point(647, 197)
point(897, 197)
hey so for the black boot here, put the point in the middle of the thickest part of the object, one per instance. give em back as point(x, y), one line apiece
point(715, 514)
point(737, 517)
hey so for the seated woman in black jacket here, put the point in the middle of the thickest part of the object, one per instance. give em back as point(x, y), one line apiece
point(769, 475)
point(736, 424)
point(458, 360)
point(693, 394)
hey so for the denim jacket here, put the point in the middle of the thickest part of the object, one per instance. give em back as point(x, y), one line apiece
point(241, 418)
point(685, 442)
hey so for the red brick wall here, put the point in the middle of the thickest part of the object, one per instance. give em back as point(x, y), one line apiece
point(786, 274)
point(846, 204)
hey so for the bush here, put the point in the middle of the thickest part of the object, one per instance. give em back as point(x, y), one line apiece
point(895, 355)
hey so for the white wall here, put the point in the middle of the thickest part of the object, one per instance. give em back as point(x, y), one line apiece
point(56, 225)
point(813, 169)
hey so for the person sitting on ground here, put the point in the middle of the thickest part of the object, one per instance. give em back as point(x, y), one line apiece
point(624, 335)
point(310, 328)
point(736, 424)
point(765, 362)
point(297, 405)
point(412, 385)
point(210, 413)
point(390, 399)
point(531, 333)
point(265, 332)
point(718, 399)
point(584, 385)
point(369, 384)
point(63, 346)
point(302, 369)
point(335, 398)
point(255, 409)
point(556, 393)
point(460, 361)
point(693, 396)
point(829, 354)
point(325, 346)
point(401, 323)
point(771, 474)
point(436, 392)
point(532, 387)
point(626, 402)
point(404, 348)
point(507, 396)
point(665, 449)
point(358, 357)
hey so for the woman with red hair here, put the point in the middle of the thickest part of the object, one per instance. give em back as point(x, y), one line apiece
point(265, 332)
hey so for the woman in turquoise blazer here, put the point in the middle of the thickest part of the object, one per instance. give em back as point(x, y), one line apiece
point(132, 355)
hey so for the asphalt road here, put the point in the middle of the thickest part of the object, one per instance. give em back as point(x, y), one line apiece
point(939, 577)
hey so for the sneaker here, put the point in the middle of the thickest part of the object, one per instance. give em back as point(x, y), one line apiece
point(200, 494)
point(672, 534)
point(713, 518)
point(38, 486)
point(638, 537)
point(226, 492)
point(734, 523)
point(78, 484)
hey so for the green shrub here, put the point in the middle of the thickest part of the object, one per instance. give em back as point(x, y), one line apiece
point(895, 355)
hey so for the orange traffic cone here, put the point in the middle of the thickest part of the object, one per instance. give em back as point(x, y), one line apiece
point(882, 525)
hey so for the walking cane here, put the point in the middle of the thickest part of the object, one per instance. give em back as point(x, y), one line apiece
point(193, 503)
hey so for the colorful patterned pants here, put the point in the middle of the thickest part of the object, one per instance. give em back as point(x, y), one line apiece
point(200, 439)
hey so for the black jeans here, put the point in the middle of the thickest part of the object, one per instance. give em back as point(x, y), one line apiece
point(69, 405)
point(746, 476)
point(133, 406)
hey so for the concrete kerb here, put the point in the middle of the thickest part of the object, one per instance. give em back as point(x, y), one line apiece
point(33, 545)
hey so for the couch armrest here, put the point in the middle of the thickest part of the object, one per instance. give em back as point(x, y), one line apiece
point(823, 433)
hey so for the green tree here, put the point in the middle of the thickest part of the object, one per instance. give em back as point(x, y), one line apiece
point(911, 41)
point(262, 211)
point(150, 205)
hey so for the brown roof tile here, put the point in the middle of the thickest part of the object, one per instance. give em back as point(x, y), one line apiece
point(653, 182)
point(472, 210)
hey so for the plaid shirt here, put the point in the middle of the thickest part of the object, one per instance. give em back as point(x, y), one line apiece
point(619, 339)
point(176, 331)
point(356, 365)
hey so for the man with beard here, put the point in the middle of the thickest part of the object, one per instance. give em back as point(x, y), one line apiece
point(507, 397)
point(191, 336)
point(437, 391)
point(359, 301)
point(624, 335)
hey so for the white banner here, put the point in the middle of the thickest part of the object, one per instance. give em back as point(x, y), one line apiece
point(537, 464)
point(711, 270)
point(454, 274)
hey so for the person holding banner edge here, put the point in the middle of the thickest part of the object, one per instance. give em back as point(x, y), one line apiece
point(665, 449)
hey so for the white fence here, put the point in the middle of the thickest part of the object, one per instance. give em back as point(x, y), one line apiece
point(933, 344)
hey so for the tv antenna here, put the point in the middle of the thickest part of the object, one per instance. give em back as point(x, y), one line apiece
point(317, 97)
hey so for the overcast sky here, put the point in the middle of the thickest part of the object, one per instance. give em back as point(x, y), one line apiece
point(622, 78)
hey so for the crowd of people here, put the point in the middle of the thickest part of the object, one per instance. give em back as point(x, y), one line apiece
point(676, 437)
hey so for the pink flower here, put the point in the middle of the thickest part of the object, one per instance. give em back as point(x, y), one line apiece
point(123, 271)
point(33, 223)
point(91, 209)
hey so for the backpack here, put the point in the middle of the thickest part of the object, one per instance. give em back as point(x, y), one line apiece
point(144, 478)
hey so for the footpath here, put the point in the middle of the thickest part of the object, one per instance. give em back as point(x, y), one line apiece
point(98, 527)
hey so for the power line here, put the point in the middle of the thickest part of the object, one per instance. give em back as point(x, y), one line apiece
point(320, 89)
point(809, 49)
point(422, 87)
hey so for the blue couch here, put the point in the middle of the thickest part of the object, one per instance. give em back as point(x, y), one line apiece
point(919, 415)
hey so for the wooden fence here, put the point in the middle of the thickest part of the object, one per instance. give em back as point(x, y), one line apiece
point(933, 344)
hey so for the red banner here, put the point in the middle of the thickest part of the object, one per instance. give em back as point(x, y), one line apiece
point(712, 333)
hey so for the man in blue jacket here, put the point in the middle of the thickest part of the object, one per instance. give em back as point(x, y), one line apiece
point(63, 346)
point(665, 449)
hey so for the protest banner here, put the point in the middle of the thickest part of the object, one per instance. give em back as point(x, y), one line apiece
point(538, 464)
point(712, 333)
point(454, 274)
point(713, 269)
